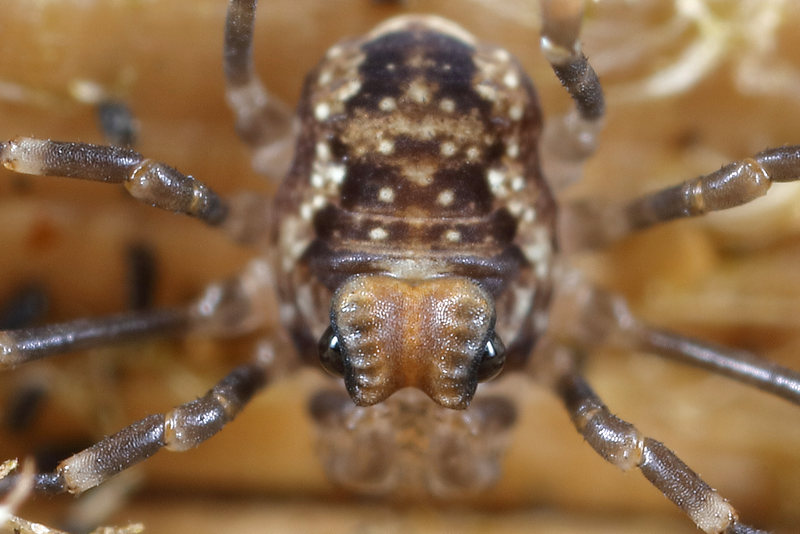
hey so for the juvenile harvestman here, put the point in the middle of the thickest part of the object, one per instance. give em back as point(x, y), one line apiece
point(648, 338)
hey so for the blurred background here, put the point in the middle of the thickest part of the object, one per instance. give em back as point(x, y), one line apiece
point(690, 85)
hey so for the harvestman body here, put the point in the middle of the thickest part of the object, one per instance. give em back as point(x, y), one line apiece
point(415, 251)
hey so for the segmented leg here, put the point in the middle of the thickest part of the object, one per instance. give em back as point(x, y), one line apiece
point(28, 344)
point(146, 180)
point(734, 184)
point(262, 121)
point(621, 444)
point(180, 429)
point(230, 307)
point(590, 317)
point(570, 139)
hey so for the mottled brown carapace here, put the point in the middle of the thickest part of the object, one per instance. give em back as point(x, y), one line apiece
point(414, 225)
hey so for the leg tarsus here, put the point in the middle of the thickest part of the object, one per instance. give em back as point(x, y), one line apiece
point(146, 180)
point(621, 444)
point(182, 428)
point(29, 344)
point(733, 185)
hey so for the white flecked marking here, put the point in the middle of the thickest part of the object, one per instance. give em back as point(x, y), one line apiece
point(495, 177)
point(323, 151)
point(322, 111)
point(454, 236)
point(446, 197)
point(511, 79)
point(324, 77)
point(318, 202)
point(378, 234)
point(512, 149)
point(447, 105)
point(447, 149)
point(387, 104)
point(386, 146)
point(386, 194)
point(419, 174)
point(487, 92)
point(349, 90)
point(336, 173)
point(419, 91)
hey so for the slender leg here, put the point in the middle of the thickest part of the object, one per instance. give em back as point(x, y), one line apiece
point(180, 429)
point(734, 184)
point(146, 180)
point(262, 121)
point(230, 307)
point(621, 444)
point(590, 316)
point(570, 139)
point(29, 344)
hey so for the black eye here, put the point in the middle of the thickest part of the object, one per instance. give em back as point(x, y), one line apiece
point(492, 360)
point(330, 353)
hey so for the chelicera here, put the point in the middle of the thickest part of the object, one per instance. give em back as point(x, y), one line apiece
point(415, 249)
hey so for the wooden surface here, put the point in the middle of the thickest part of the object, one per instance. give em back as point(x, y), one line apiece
point(732, 277)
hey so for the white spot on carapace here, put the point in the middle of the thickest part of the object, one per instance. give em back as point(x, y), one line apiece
point(495, 178)
point(511, 79)
point(386, 146)
point(322, 111)
point(486, 91)
point(387, 104)
point(323, 151)
point(529, 215)
point(334, 51)
point(378, 234)
point(454, 236)
point(317, 180)
point(515, 112)
point(515, 208)
point(306, 211)
point(517, 183)
point(447, 149)
point(349, 90)
point(419, 91)
point(447, 105)
point(446, 197)
point(336, 173)
point(324, 77)
point(512, 149)
point(390, 67)
point(539, 251)
point(386, 194)
point(318, 202)
point(497, 182)
point(419, 174)
point(473, 153)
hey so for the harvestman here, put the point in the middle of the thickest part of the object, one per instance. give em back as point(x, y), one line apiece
point(414, 249)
